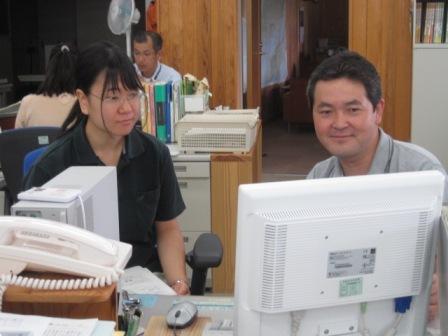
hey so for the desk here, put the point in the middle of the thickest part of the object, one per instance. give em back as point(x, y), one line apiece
point(212, 307)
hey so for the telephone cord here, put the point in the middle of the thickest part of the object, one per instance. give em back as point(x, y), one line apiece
point(57, 284)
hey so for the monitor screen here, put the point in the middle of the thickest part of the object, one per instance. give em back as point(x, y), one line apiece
point(329, 256)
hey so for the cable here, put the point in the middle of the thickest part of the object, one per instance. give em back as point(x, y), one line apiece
point(394, 328)
point(363, 325)
point(296, 319)
point(53, 284)
point(83, 210)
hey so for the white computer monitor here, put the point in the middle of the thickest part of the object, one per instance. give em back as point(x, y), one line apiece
point(312, 251)
point(99, 195)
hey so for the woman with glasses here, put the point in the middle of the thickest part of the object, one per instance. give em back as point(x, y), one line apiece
point(100, 130)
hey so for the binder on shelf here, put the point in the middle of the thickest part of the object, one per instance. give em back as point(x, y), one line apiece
point(160, 105)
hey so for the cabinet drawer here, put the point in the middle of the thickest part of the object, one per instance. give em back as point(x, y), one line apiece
point(192, 169)
point(196, 195)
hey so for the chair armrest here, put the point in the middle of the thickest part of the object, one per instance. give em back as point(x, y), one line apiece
point(207, 252)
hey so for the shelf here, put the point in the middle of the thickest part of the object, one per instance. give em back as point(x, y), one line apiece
point(431, 46)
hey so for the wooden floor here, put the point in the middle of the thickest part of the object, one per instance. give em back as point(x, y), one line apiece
point(289, 155)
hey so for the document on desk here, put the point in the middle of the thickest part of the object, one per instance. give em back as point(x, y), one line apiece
point(30, 325)
point(139, 280)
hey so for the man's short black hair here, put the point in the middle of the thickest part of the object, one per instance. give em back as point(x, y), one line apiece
point(142, 36)
point(349, 65)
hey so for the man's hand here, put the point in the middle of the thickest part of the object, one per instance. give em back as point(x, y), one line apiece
point(433, 309)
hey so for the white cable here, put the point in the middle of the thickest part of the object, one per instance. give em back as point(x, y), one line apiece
point(296, 319)
point(83, 210)
point(394, 328)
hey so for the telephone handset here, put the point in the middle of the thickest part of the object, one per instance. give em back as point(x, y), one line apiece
point(43, 245)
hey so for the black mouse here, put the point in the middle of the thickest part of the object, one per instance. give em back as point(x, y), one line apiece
point(181, 315)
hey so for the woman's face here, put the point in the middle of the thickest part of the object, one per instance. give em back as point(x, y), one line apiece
point(114, 114)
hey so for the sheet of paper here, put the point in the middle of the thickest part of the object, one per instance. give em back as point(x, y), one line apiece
point(70, 327)
point(139, 280)
point(13, 324)
point(30, 325)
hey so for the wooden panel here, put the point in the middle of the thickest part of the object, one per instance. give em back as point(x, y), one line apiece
point(253, 22)
point(380, 30)
point(292, 36)
point(228, 171)
point(201, 37)
point(157, 327)
point(88, 303)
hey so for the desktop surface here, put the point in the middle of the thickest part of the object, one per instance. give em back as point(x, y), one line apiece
point(155, 307)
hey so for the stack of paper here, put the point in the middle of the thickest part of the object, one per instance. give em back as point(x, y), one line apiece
point(30, 325)
point(139, 280)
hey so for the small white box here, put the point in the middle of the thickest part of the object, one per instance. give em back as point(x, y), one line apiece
point(195, 103)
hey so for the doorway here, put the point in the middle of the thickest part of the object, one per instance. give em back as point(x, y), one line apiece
point(296, 35)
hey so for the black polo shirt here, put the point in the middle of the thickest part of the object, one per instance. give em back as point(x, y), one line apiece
point(147, 186)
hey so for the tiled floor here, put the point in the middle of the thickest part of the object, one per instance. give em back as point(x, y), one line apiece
point(289, 155)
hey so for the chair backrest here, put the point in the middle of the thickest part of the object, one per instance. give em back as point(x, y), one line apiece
point(30, 158)
point(14, 145)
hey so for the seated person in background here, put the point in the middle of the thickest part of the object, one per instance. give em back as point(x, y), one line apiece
point(55, 97)
point(100, 130)
point(147, 52)
point(344, 93)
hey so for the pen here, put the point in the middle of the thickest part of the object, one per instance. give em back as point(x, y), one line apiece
point(133, 325)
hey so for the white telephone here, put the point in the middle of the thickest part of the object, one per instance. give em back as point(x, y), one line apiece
point(43, 245)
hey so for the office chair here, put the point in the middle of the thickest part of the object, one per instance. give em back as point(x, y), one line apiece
point(207, 251)
point(30, 158)
point(14, 145)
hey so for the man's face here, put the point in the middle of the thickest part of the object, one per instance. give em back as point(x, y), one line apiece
point(346, 123)
point(146, 57)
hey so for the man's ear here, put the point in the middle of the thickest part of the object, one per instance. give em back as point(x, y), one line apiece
point(83, 101)
point(379, 109)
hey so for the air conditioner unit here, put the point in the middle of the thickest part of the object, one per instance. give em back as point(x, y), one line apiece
point(224, 131)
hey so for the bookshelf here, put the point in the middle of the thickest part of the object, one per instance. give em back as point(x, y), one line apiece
point(429, 77)
point(430, 22)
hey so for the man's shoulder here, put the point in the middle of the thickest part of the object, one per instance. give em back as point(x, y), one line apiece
point(323, 168)
point(412, 153)
point(169, 73)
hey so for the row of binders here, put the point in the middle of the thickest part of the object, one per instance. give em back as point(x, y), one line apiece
point(431, 21)
point(161, 108)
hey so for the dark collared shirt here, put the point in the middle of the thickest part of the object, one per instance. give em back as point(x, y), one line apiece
point(147, 184)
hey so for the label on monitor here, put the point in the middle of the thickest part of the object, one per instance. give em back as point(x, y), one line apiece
point(351, 262)
point(350, 287)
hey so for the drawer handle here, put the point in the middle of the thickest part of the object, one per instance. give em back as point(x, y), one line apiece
point(186, 239)
point(180, 169)
point(183, 185)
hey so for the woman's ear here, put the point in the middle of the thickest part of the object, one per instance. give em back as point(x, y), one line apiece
point(83, 101)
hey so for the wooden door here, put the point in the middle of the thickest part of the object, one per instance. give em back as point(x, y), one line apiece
point(202, 37)
point(381, 31)
point(253, 21)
